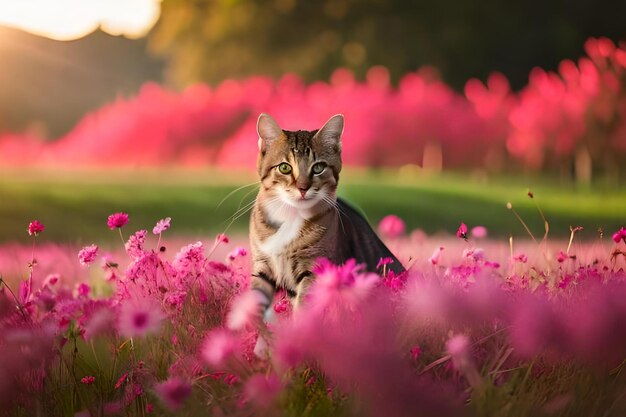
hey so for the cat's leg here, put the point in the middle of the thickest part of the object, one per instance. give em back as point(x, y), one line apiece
point(303, 282)
point(265, 285)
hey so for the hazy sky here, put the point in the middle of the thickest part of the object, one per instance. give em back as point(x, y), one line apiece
point(72, 19)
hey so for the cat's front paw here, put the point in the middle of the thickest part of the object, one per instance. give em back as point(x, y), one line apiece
point(261, 348)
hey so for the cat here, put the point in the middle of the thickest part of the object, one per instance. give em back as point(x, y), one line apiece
point(297, 217)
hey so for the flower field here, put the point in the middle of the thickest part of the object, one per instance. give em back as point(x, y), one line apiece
point(478, 326)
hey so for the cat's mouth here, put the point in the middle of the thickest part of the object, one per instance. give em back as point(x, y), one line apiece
point(307, 201)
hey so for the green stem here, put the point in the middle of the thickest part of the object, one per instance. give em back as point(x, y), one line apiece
point(119, 229)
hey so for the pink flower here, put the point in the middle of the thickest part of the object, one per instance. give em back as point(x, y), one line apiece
point(102, 321)
point(416, 351)
point(459, 348)
point(50, 280)
point(479, 232)
point(121, 380)
point(246, 309)
point(173, 392)
point(149, 408)
point(139, 318)
point(237, 253)
point(521, 258)
point(435, 258)
point(477, 254)
point(384, 261)
point(340, 286)
point(134, 246)
point(282, 306)
point(535, 326)
point(458, 345)
point(162, 226)
point(190, 259)
point(462, 231)
point(221, 238)
point(88, 380)
point(219, 346)
point(262, 390)
point(35, 227)
point(87, 254)
point(391, 226)
point(619, 235)
point(117, 220)
point(561, 257)
point(395, 282)
point(83, 289)
point(231, 379)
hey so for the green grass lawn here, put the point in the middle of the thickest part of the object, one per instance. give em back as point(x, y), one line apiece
point(74, 205)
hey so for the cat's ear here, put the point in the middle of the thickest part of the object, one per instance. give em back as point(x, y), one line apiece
point(330, 133)
point(267, 129)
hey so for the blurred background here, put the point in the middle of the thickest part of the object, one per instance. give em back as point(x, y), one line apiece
point(452, 109)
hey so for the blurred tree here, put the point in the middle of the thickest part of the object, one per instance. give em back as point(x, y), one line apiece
point(209, 40)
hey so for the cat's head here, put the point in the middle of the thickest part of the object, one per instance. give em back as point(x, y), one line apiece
point(301, 168)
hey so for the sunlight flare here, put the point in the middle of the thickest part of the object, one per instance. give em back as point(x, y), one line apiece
point(73, 19)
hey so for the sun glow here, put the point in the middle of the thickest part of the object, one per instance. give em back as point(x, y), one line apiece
point(73, 19)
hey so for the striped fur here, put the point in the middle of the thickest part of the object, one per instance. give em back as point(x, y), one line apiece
point(297, 217)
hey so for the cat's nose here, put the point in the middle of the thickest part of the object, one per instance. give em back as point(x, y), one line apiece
point(303, 191)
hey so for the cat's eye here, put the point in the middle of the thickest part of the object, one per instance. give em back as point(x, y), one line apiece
point(284, 168)
point(318, 168)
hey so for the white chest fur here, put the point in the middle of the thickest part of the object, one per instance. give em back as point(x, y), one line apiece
point(274, 247)
point(290, 221)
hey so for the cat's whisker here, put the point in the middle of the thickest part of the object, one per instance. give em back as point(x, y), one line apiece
point(338, 212)
point(239, 212)
point(245, 196)
point(235, 190)
point(339, 209)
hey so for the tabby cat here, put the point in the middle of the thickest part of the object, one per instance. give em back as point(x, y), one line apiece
point(297, 216)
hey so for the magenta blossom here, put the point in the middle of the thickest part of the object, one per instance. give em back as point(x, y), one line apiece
point(139, 318)
point(561, 257)
point(619, 235)
point(416, 351)
point(462, 232)
point(340, 285)
point(88, 254)
point(237, 253)
point(262, 390)
point(83, 289)
point(522, 258)
point(173, 392)
point(35, 227)
point(162, 226)
point(246, 309)
point(135, 245)
point(479, 232)
point(391, 226)
point(88, 380)
point(117, 220)
point(435, 258)
point(51, 280)
point(221, 238)
point(190, 258)
point(384, 261)
point(218, 346)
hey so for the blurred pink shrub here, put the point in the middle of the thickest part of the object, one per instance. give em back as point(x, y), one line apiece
point(558, 118)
